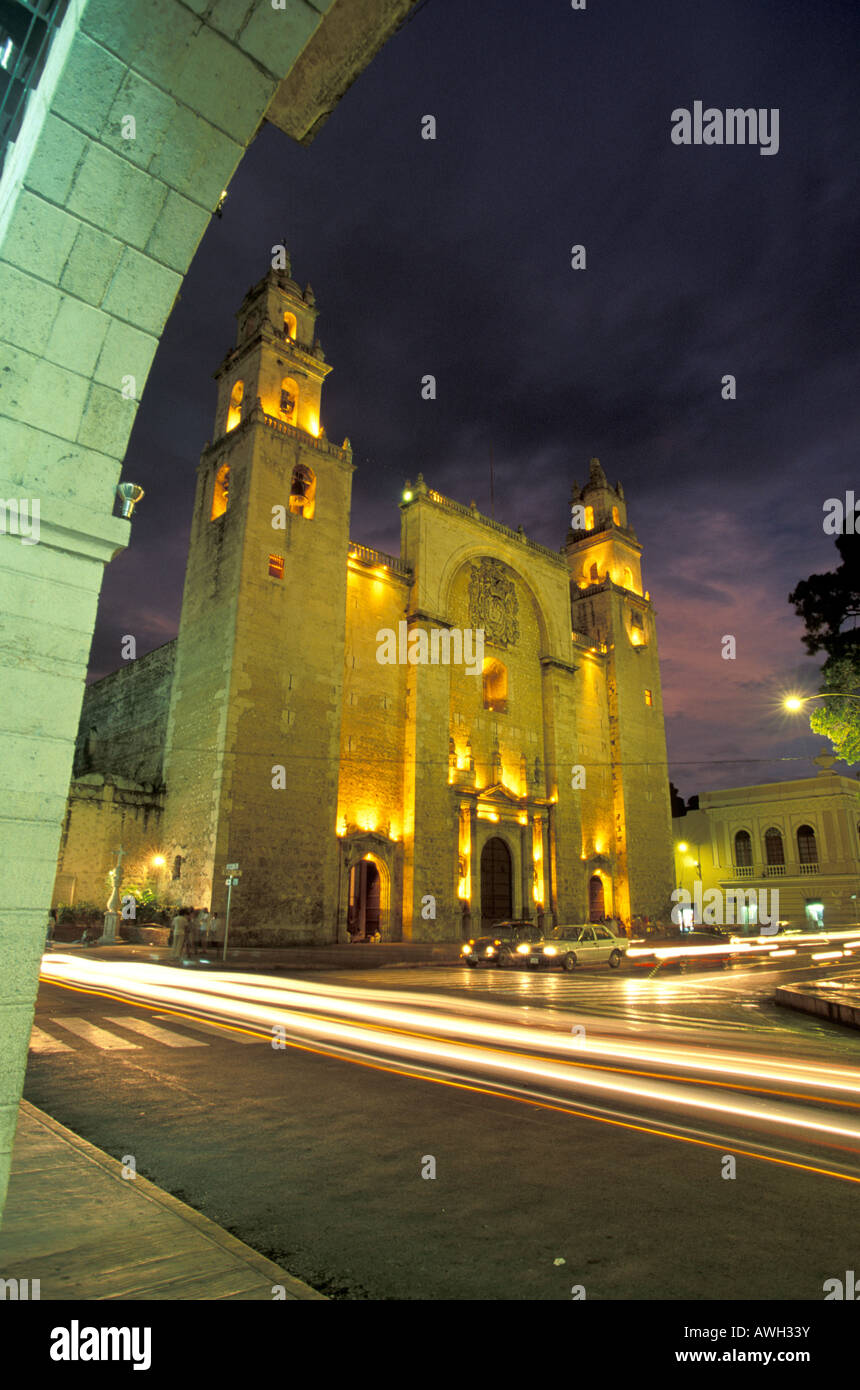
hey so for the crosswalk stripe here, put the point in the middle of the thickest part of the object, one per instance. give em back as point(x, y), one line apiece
point(43, 1042)
point(160, 1035)
point(101, 1038)
point(210, 1028)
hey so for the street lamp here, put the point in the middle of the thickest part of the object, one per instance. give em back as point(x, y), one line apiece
point(682, 848)
point(793, 703)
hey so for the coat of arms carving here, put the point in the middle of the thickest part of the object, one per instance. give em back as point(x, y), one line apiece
point(493, 603)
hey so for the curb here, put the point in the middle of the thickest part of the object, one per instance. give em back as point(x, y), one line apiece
point(267, 1269)
point(821, 1003)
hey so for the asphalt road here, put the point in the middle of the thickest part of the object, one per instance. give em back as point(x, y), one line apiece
point(316, 1160)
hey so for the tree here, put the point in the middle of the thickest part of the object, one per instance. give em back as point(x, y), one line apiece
point(827, 603)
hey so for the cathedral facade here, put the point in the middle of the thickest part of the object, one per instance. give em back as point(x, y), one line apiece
point(416, 745)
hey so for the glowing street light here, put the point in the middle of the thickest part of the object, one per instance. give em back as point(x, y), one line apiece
point(796, 702)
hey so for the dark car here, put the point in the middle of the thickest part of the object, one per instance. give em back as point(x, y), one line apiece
point(499, 948)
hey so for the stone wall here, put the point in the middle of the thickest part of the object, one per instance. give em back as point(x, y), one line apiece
point(102, 813)
point(123, 721)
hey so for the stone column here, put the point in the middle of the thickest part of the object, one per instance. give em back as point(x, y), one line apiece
point(526, 870)
point(474, 864)
point(549, 875)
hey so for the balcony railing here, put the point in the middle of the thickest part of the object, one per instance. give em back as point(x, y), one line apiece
point(377, 559)
point(581, 639)
point(790, 870)
point(475, 515)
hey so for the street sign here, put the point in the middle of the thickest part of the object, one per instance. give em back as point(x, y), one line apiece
point(231, 868)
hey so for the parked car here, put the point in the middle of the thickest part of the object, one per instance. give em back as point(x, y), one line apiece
point(573, 946)
point(500, 948)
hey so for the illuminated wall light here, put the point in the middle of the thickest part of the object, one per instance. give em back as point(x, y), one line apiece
point(341, 826)
point(523, 820)
point(159, 861)
point(487, 815)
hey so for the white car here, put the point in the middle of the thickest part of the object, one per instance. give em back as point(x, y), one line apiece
point(573, 946)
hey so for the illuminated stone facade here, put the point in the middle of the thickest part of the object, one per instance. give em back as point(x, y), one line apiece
point(419, 798)
point(800, 839)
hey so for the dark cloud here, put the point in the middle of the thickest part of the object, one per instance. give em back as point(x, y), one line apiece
point(453, 257)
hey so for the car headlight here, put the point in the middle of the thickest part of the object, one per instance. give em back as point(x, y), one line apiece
point(490, 951)
point(466, 951)
point(524, 949)
point(550, 951)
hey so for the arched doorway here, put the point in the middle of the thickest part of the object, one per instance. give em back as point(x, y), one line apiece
point(596, 903)
point(363, 905)
point(496, 882)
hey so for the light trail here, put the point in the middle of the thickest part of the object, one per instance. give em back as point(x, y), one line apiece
point(393, 1028)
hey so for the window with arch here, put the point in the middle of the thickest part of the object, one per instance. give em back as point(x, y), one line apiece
point(589, 518)
point(289, 406)
point(774, 851)
point(807, 847)
point(743, 849)
point(594, 574)
point(495, 685)
point(220, 492)
point(616, 516)
point(234, 409)
point(290, 326)
point(303, 491)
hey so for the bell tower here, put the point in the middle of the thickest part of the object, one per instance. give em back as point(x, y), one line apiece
point(609, 606)
point(254, 730)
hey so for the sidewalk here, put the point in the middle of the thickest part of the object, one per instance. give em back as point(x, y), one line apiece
point(838, 1000)
point(283, 958)
point(74, 1223)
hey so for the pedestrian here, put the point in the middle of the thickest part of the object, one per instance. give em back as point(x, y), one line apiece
point(214, 928)
point(203, 922)
point(51, 928)
point(192, 940)
point(178, 939)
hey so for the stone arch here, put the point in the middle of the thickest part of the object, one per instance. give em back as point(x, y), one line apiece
point(234, 409)
point(99, 230)
point(303, 491)
point(289, 400)
point(220, 492)
point(743, 849)
point(469, 554)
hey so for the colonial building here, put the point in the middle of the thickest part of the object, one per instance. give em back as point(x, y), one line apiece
point(418, 744)
point(800, 838)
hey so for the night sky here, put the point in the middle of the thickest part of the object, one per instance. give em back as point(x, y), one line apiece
point(452, 257)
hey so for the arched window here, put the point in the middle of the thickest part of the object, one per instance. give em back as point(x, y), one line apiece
point(495, 682)
point(774, 852)
point(807, 849)
point(595, 576)
point(743, 849)
point(177, 866)
point(234, 410)
point(303, 491)
point(627, 577)
point(289, 400)
point(616, 516)
point(220, 492)
point(290, 326)
point(589, 518)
